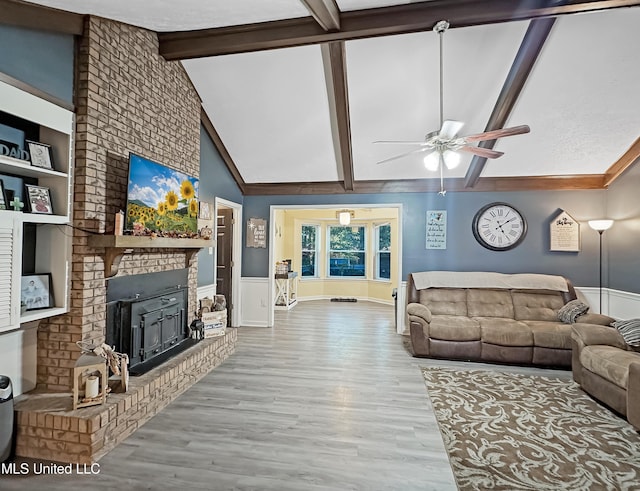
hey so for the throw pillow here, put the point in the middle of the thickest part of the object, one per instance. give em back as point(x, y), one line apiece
point(630, 331)
point(571, 310)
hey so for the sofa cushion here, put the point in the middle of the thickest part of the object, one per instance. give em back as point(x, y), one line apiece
point(537, 305)
point(504, 332)
point(593, 318)
point(445, 301)
point(454, 328)
point(483, 302)
point(609, 362)
point(548, 334)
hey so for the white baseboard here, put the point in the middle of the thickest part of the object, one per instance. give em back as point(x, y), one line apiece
point(359, 299)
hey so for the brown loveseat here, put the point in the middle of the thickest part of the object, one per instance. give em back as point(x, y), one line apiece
point(607, 369)
point(492, 317)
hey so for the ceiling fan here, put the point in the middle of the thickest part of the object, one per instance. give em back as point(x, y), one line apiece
point(441, 147)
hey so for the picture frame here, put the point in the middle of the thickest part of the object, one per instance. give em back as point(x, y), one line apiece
point(3, 197)
point(36, 292)
point(38, 199)
point(40, 155)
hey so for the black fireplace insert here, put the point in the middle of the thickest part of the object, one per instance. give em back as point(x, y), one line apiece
point(147, 317)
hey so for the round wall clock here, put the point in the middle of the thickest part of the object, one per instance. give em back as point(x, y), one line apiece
point(499, 226)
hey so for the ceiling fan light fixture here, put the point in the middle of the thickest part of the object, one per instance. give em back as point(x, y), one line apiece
point(451, 159)
point(432, 161)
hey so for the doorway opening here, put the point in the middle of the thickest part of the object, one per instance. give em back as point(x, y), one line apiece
point(228, 256)
point(368, 272)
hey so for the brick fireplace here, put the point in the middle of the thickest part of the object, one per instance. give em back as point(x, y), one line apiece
point(128, 99)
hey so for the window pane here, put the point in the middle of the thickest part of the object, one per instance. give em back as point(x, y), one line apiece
point(309, 237)
point(384, 238)
point(346, 238)
point(309, 248)
point(346, 264)
point(384, 265)
point(308, 263)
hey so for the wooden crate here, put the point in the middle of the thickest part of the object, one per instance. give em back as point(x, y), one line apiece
point(215, 323)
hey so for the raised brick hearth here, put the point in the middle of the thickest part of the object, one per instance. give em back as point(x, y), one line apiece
point(49, 429)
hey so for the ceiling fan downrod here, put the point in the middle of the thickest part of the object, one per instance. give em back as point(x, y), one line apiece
point(440, 29)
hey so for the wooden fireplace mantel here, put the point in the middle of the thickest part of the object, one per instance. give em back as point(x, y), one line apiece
point(117, 245)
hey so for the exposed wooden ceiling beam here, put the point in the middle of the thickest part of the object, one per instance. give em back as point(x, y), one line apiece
point(42, 18)
point(358, 24)
point(623, 163)
point(325, 12)
point(336, 79)
point(485, 184)
point(222, 150)
point(530, 48)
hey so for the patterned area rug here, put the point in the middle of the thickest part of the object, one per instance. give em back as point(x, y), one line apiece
point(517, 432)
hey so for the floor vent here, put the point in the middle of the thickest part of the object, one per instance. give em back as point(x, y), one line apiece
point(341, 299)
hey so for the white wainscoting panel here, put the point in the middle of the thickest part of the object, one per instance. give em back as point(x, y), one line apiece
point(624, 305)
point(205, 291)
point(18, 358)
point(616, 303)
point(255, 302)
point(401, 318)
point(591, 296)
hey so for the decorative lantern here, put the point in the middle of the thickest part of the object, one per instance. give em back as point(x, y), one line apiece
point(89, 381)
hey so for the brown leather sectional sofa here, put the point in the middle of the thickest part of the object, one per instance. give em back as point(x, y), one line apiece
point(607, 369)
point(496, 318)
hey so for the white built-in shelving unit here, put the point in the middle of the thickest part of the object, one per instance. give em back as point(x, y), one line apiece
point(53, 236)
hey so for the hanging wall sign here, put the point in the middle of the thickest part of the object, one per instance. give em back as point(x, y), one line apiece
point(564, 233)
point(436, 229)
point(257, 232)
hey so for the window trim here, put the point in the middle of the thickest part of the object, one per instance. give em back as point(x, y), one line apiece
point(316, 268)
point(377, 251)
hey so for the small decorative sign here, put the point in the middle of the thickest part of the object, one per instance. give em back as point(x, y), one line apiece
point(436, 229)
point(257, 232)
point(564, 233)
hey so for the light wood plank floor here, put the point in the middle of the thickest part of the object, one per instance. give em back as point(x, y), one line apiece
point(329, 399)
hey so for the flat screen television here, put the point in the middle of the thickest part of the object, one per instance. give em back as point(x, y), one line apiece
point(160, 200)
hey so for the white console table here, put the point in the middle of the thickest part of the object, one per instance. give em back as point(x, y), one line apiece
point(286, 290)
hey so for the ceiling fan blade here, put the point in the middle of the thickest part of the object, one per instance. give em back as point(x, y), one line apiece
point(397, 142)
point(482, 152)
point(419, 150)
point(495, 134)
point(450, 129)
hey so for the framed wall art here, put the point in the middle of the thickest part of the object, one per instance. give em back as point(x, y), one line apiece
point(3, 197)
point(40, 154)
point(38, 199)
point(35, 291)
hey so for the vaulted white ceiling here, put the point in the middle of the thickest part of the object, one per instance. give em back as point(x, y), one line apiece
point(273, 111)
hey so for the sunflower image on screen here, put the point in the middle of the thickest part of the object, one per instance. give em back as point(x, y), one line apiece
point(160, 200)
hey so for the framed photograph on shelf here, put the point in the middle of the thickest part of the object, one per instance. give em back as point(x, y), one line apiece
point(3, 197)
point(38, 199)
point(35, 291)
point(40, 154)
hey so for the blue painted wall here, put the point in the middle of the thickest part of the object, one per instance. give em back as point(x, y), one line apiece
point(215, 182)
point(463, 253)
point(44, 60)
point(622, 240)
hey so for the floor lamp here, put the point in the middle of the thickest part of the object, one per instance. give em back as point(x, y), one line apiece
point(600, 226)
